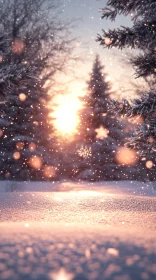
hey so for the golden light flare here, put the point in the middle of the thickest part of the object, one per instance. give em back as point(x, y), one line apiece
point(49, 171)
point(126, 156)
point(22, 97)
point(35, 162)
point(102, 133)
point(18, 46)
point(16, 155)
point(65, 116)
point(61, 275)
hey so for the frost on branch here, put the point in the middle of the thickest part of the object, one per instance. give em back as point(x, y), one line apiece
point(11, 75)
point(144, 108)
point(141, 36)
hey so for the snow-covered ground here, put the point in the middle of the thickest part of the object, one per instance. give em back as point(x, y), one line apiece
point(128, 187)
point(65, 252)
point(77, 231)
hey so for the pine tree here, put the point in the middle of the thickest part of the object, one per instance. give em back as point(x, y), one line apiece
point(26, 146)
point(141, 36)
point(12, 76)
point(39, 40)
point(100, 130)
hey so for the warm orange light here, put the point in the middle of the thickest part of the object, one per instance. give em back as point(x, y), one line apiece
point(7, 175)
point(35, 162)
point(19, 145)
point(22, 97)
point(138, 120)
point(66, 117)
point(62, 274)
point(107, 41)
point(18, 46)
point(32, 147)
point(16, 155)
point(1, 132)
point(149, 164)
point(126, 156)
point(49, 171)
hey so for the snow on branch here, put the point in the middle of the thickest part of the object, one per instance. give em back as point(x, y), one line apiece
point(126, 7)
point(138, 36)
point(145, 64)
point(144, 108)
point(11, 75)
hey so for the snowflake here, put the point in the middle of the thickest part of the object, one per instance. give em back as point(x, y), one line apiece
point(102, 132)
point(85, 152)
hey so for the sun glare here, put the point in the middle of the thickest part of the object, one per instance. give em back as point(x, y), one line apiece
point(66, 114)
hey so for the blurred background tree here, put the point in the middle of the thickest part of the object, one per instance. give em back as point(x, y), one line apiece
point(100, 131)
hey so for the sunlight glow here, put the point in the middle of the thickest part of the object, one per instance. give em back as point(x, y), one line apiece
point(66, 114)
point(61, 275)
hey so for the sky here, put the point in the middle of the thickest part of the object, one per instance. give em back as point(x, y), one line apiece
point(89, 24)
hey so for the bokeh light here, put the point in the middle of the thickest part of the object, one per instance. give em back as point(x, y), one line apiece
point(1, 132)
point(19, 146)
point(32, 147)
point(107, 41)
point(16, 155)
point(126, 156)
point(18, 46)
point(149, 164)
point(7, 174)
point(35, 162)
point(49, 171)
point(22, 97)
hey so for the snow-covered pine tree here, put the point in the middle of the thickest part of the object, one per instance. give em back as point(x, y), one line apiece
point(26, 147)
point(41, 40)
point(12, 76)
point(21, 122)
point(141, 36)
point(100, 130)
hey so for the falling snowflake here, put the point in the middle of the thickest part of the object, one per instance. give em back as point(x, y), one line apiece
point(85, 151)
point(102, 133)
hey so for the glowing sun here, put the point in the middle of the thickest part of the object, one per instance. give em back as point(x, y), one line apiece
point(66, 114)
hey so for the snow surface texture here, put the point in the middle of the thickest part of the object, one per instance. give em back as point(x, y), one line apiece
point(73, 253)
point(106, 233)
